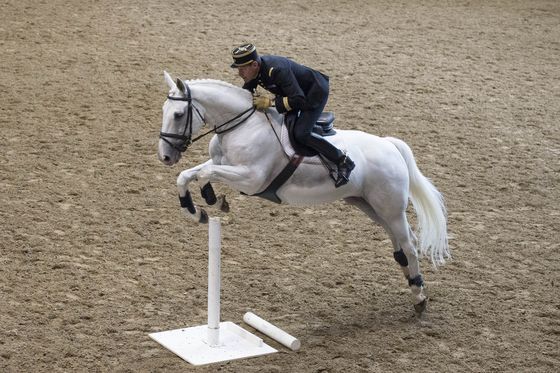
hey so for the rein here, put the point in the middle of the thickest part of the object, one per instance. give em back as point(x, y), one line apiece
point(276, 134)
point(215, 129)
point(186, 139)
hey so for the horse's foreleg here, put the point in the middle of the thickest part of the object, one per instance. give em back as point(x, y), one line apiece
point(238, 177)
point(223, 205)
point(207, 192)
point(195, 213)
point(241, 178)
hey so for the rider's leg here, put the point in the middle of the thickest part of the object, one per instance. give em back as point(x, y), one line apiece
point(303, 134)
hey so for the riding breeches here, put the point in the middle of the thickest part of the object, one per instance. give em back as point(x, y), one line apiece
point(303, 133)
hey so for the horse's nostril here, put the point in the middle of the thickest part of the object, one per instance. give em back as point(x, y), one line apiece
point(166, 158)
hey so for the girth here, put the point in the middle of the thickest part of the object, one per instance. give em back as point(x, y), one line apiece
point(323, 127)
point(270, 192)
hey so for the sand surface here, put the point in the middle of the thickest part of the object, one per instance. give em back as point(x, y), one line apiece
point(95, 253)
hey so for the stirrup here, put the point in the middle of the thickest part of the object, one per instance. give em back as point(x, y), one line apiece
point(344, 170)
point(340, 181)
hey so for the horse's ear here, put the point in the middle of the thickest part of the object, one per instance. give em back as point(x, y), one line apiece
point(169, 80)
point(180, 85)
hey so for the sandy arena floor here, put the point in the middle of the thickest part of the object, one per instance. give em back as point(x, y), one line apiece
point(95, 253)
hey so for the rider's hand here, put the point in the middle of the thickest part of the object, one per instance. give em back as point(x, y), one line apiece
point(262, 102)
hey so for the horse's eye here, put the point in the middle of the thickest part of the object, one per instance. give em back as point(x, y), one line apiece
point(179, 114)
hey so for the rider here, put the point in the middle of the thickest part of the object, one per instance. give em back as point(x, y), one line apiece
point(297, 88)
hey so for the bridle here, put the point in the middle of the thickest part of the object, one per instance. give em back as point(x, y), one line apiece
point(186, 136)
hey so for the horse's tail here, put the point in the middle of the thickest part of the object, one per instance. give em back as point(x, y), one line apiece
point(430, 209)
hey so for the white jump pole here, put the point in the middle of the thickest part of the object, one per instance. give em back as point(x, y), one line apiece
point(217, 341)
point(214, 280)
point(272, 331)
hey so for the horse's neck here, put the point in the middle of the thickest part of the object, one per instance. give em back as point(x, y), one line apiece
point(222, 101)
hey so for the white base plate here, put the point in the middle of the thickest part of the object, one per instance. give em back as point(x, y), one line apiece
point(190, 344)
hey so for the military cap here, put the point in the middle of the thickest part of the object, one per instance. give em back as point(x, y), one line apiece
point(244, 55)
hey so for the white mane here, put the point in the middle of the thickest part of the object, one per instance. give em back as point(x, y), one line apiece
point(220, 99)
point(238, 90)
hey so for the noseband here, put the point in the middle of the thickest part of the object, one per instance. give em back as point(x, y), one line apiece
point(186, 136)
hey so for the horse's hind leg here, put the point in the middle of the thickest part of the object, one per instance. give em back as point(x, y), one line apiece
point(404, 250)
point(407, 257)
point(398, 254)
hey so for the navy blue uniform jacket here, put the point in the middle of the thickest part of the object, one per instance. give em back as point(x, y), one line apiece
point(296, 87)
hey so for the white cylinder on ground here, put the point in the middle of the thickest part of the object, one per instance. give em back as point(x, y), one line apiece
point(214, 264)
point(272, 331)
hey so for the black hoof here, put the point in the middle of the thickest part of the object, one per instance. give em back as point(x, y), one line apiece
point(225, 205)
point(421, 307)
point(203, 217)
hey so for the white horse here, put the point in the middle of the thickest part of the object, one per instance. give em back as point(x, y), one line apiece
point(246, 154)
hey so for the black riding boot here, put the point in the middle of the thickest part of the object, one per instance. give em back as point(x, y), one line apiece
point(343, 163)
point(303, 133)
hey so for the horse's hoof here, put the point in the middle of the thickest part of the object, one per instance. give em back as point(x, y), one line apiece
point(421, 307)
point(224, 205)
point(203, 217)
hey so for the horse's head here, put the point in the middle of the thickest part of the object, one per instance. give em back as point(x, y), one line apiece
point(182, 119)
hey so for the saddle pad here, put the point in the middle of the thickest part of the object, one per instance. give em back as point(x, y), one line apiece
point(289, 150)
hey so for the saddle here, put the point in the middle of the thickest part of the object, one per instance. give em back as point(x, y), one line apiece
point(323, 127)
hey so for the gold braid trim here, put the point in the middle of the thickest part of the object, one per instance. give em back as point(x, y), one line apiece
point(286, 104)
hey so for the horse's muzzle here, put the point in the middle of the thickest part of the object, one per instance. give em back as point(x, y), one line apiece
point(168, 155)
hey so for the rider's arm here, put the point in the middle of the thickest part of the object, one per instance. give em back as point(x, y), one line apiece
point(294, 98)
